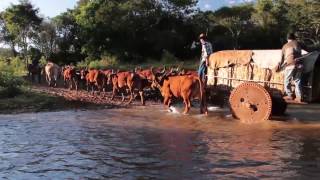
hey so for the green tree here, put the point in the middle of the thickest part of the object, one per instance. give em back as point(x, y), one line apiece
point(6, 37)
point(69, 40)
point(45, 39)
point(304, 17)
point(133, 29)
point(234, 20)
point(21, 21)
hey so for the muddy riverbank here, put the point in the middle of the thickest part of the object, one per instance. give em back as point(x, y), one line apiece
point(42, 98)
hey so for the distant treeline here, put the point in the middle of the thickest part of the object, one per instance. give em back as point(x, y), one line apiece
point(129, 31)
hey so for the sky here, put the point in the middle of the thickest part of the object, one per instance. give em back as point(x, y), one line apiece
point(51, 8)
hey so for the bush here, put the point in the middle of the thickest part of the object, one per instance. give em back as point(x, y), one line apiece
point(83, 64)
point(94, 64)
point(9, 84)
point(168, 58)
point(109, 60)
point(11, 72)
point(13, 66)
point(18, 67)
point(43, 61)
point(106, 61)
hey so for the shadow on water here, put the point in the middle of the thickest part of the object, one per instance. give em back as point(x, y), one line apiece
point(151, 143)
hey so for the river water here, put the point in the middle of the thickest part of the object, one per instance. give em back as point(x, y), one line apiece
point(151, 143)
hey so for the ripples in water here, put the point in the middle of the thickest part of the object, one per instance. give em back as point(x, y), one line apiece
point(150, 143)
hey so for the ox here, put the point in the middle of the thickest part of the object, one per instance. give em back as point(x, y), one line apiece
point(186, 87)
point(70, 77)
point(94, 78)
point(52, 72)
point(106, 81)
point(130, 81)
point(33, 72)
point(144, 73)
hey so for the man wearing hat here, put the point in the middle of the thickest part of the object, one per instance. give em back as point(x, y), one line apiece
point(293, 69)
point(204, 61)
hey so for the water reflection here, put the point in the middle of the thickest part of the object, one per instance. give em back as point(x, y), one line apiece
point(150, 143)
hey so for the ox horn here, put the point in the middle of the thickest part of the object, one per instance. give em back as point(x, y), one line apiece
point(163, 70)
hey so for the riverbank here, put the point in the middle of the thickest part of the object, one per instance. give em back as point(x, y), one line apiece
point(42, 99)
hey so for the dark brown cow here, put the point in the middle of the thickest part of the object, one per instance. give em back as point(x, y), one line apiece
point(34, 71)
point(186, 87)
point(130, 81)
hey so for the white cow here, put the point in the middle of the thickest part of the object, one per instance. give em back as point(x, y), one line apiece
point(53, 72)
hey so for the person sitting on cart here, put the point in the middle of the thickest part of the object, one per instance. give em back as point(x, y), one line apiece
point(292, 68)
point(204, 61)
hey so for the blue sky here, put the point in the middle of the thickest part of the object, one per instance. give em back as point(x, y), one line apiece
point(52, 8)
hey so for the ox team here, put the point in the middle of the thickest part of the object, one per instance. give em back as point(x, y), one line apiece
point(185, 85)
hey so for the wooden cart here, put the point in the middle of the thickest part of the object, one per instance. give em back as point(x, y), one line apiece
point(250, 80)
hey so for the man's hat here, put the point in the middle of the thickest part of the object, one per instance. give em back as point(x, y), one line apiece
point(291, 36)
point(202, 36)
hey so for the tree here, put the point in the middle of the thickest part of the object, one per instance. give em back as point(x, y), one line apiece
point(263, 15)
point(234, 20)
point(45, 39)
point(6, 37)
point(235, 27)
point(133, 29)
point(69, 40)
point(304, 17)
point(21, 21)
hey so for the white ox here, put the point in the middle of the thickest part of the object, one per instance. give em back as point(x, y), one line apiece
point(52, 71)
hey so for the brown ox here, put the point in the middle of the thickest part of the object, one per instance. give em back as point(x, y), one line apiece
point(186, 87)
point(144, 73)
point(130, 81)
point(94, 78)
point(70, 77)
point(106, 81)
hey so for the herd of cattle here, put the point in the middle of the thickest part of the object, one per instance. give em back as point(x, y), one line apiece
point(172, 83)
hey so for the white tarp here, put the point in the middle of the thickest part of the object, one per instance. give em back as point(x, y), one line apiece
point(267, 58)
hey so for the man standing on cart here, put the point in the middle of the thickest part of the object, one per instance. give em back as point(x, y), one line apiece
point(204, 61)
point(292, 68)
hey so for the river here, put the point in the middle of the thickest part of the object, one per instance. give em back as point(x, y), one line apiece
point(151, 143)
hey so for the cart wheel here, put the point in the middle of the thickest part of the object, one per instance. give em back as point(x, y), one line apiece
point(250, 102)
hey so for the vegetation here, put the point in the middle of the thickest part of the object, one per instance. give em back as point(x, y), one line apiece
point(104, 33)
